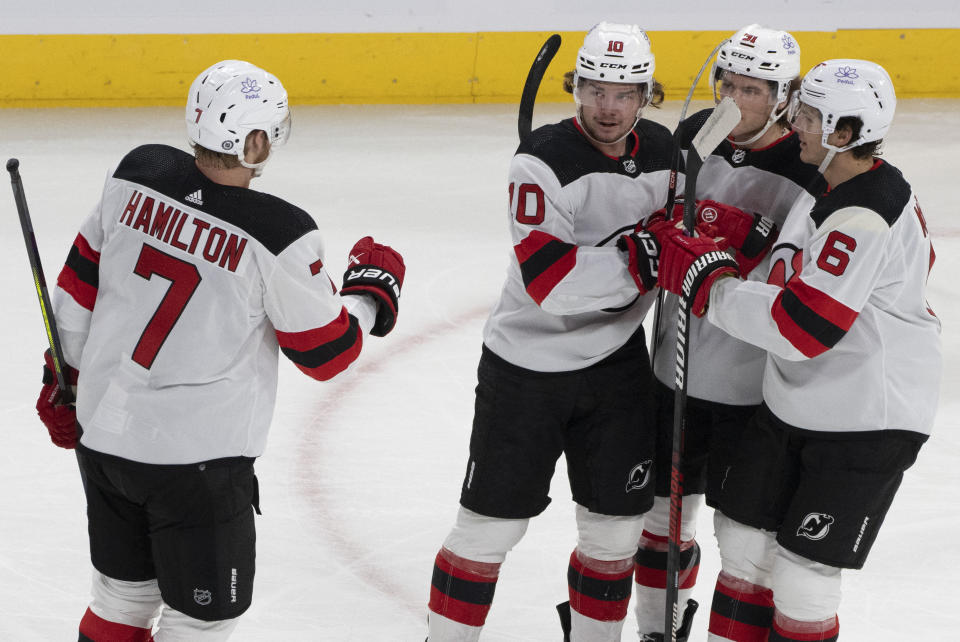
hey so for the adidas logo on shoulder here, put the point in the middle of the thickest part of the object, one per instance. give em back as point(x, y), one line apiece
point(196, 197)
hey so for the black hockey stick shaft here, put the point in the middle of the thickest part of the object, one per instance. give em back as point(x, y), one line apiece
point(720, 123)
point(672, 187)
point(532, 84)
point(39, 283)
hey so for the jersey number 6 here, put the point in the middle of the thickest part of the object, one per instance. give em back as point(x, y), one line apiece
point(184, 278)
point(833, 259)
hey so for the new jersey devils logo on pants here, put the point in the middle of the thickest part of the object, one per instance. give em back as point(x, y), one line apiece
point(815, 526)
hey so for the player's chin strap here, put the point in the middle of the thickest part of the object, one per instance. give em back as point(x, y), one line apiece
point(257, 167)
point(826, 160)
point(833, 150)
point(774, 117)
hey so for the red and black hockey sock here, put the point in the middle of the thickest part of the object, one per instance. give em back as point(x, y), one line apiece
point(94, 628)
point(597, 594)
point(651, 579)
point(785, 629)
point(651, 562)
point(741, 611)
point(462, 590)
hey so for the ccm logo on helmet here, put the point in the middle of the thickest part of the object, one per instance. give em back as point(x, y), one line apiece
point(613, 65)
point(377, 275)
point(738, 54)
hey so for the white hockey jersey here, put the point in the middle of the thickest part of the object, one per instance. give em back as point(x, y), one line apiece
point(173, 302)
point(770, 181)
point(569, 300)
point(852, 344)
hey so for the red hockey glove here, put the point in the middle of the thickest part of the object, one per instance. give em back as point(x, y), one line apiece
point(690, 265)
point(376, 270)
point(661, 214)
point(643, 254)
point(751, 235)
point(59, 418)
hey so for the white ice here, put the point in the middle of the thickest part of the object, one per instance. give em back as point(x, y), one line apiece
point(361, 477)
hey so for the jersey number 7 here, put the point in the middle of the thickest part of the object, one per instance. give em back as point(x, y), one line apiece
point(184, 278)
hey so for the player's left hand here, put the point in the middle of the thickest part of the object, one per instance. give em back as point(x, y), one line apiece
point(377, 270)
point(698, 260)
point(59, 418)
point(751, 235)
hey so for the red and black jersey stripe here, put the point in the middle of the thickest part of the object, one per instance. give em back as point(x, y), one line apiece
point(544, 261)
point(80, 276)
point(811, 320)
point(322, 353)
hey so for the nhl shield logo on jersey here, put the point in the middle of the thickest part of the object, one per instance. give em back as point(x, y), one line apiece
point(738, 156)
point(202, 597)
point(639, 475)
point(815, 526)
point(630, 166)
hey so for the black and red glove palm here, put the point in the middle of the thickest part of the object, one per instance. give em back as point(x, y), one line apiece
point(377, 270)
point(59, 418)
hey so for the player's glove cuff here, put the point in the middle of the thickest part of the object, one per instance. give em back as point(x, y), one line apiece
point(380, 283)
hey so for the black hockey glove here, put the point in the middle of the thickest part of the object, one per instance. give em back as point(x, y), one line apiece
point(376, 270)
point(643, 256)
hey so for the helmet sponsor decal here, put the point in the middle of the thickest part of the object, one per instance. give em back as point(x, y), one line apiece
point(846, 75)
point(250, 89)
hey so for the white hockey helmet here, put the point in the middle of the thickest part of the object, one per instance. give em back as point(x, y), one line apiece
point(617, 53)
point(847, 87)
point(229, 100)
point(760, 52)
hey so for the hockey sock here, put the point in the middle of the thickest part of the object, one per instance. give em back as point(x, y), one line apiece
point(741, 611)
point(785, 629)
point(599, 594)
point(94, 628)
point(651, 579)
point(461, 593)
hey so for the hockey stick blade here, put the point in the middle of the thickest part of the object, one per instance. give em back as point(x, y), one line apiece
point(715, 129)
point(532, 84)
point(718, 126)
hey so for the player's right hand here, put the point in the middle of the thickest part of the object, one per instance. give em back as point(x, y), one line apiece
point(696, 260)
point(59, 418)
point(377, 270)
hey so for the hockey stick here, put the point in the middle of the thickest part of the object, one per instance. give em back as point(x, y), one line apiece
point(672, 187)
point(720, 123)
point(46, 309)
point(532, 85)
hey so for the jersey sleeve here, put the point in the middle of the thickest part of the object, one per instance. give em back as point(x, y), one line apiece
point(817, 305)
point(560, 276)
point(313, 327)
point(79, 280)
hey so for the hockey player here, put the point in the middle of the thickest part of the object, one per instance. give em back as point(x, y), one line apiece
point(853, 368)
point(564, 368)
point(758, 169)
point(179, 290)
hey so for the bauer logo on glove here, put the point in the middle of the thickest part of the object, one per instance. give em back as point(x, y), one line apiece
point(376, 270)
point(373, 273)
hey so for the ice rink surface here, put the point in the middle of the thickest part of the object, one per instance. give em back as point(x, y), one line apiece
point(360, 481)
